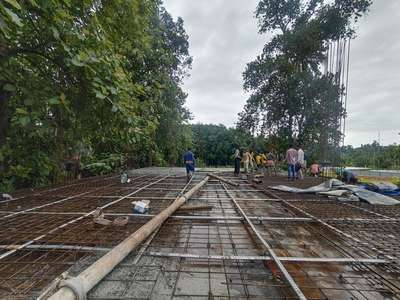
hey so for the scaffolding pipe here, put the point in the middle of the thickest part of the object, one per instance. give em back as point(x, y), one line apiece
point(76, 288)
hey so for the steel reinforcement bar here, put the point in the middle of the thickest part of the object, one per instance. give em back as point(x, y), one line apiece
point(30, 242)
point(271, 252)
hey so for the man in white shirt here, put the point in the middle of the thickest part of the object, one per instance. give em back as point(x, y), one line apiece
point(301, 162)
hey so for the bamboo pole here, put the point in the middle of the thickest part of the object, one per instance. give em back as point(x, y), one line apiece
point(223, 179)
point(76, 288)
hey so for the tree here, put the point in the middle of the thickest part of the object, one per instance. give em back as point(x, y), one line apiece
point(290, 97)
point(214, 145)
point(373, 155)
point(91, 78)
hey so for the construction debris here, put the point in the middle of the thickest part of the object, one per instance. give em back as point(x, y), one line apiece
point(124, 178)
point(339, 188)
point(121, 221)
point(102, 221)
point(257, 180)
point(141, 207)
point(5, 197)
point(99, 218)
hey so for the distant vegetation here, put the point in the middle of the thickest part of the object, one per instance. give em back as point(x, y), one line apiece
point(214, 145)
point(373, 156)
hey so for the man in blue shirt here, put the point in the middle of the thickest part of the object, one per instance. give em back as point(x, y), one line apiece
point(189, 161)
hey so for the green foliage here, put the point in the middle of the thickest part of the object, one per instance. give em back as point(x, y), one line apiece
point(395, 180)
point(372, 156)
point(107, 164)
point(290, 98)
point(214, 145)
point(85, 74)
point(99, 168)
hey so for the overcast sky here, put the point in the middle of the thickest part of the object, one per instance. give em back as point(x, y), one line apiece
point(223, 37)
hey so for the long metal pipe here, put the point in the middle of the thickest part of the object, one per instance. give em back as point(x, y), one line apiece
point(281, 258)
point(77, 288)
point(213, 257)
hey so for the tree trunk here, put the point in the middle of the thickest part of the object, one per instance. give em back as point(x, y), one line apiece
point(4, 116)
point(4, 119)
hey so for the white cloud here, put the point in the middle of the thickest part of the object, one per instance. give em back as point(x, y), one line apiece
point(374, 90)
point(223, 37)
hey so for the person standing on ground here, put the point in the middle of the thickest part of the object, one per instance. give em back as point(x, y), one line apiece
point(258, 161)
point(237, 160)
point(300, 162)
point(252, 162)
point(73, 166)
point(189, 161)
point(246, 161)
point(263, 163)
point(271, 167)
point(305, 163)
point(291, 159)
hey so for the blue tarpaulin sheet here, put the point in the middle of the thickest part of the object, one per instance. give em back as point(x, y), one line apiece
point(388, 189)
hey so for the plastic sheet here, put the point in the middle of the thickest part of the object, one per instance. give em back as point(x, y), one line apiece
point(336, 185)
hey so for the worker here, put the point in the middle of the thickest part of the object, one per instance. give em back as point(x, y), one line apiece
point(291, 159)
point(258, 161)
point(305, 163)
point(315, 170)
point(270, 164)
point(252, 163)
point(189, 160)
point(347, 176)
point(237, 159)
point(246, 161)
point(73, 166)
point(263, 163)
point(300, 167)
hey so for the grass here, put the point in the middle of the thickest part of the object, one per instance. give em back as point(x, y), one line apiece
point(377, 179)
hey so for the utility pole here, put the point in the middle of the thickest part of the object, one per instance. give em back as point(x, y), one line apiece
point(379, 149)
point(398, 166)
